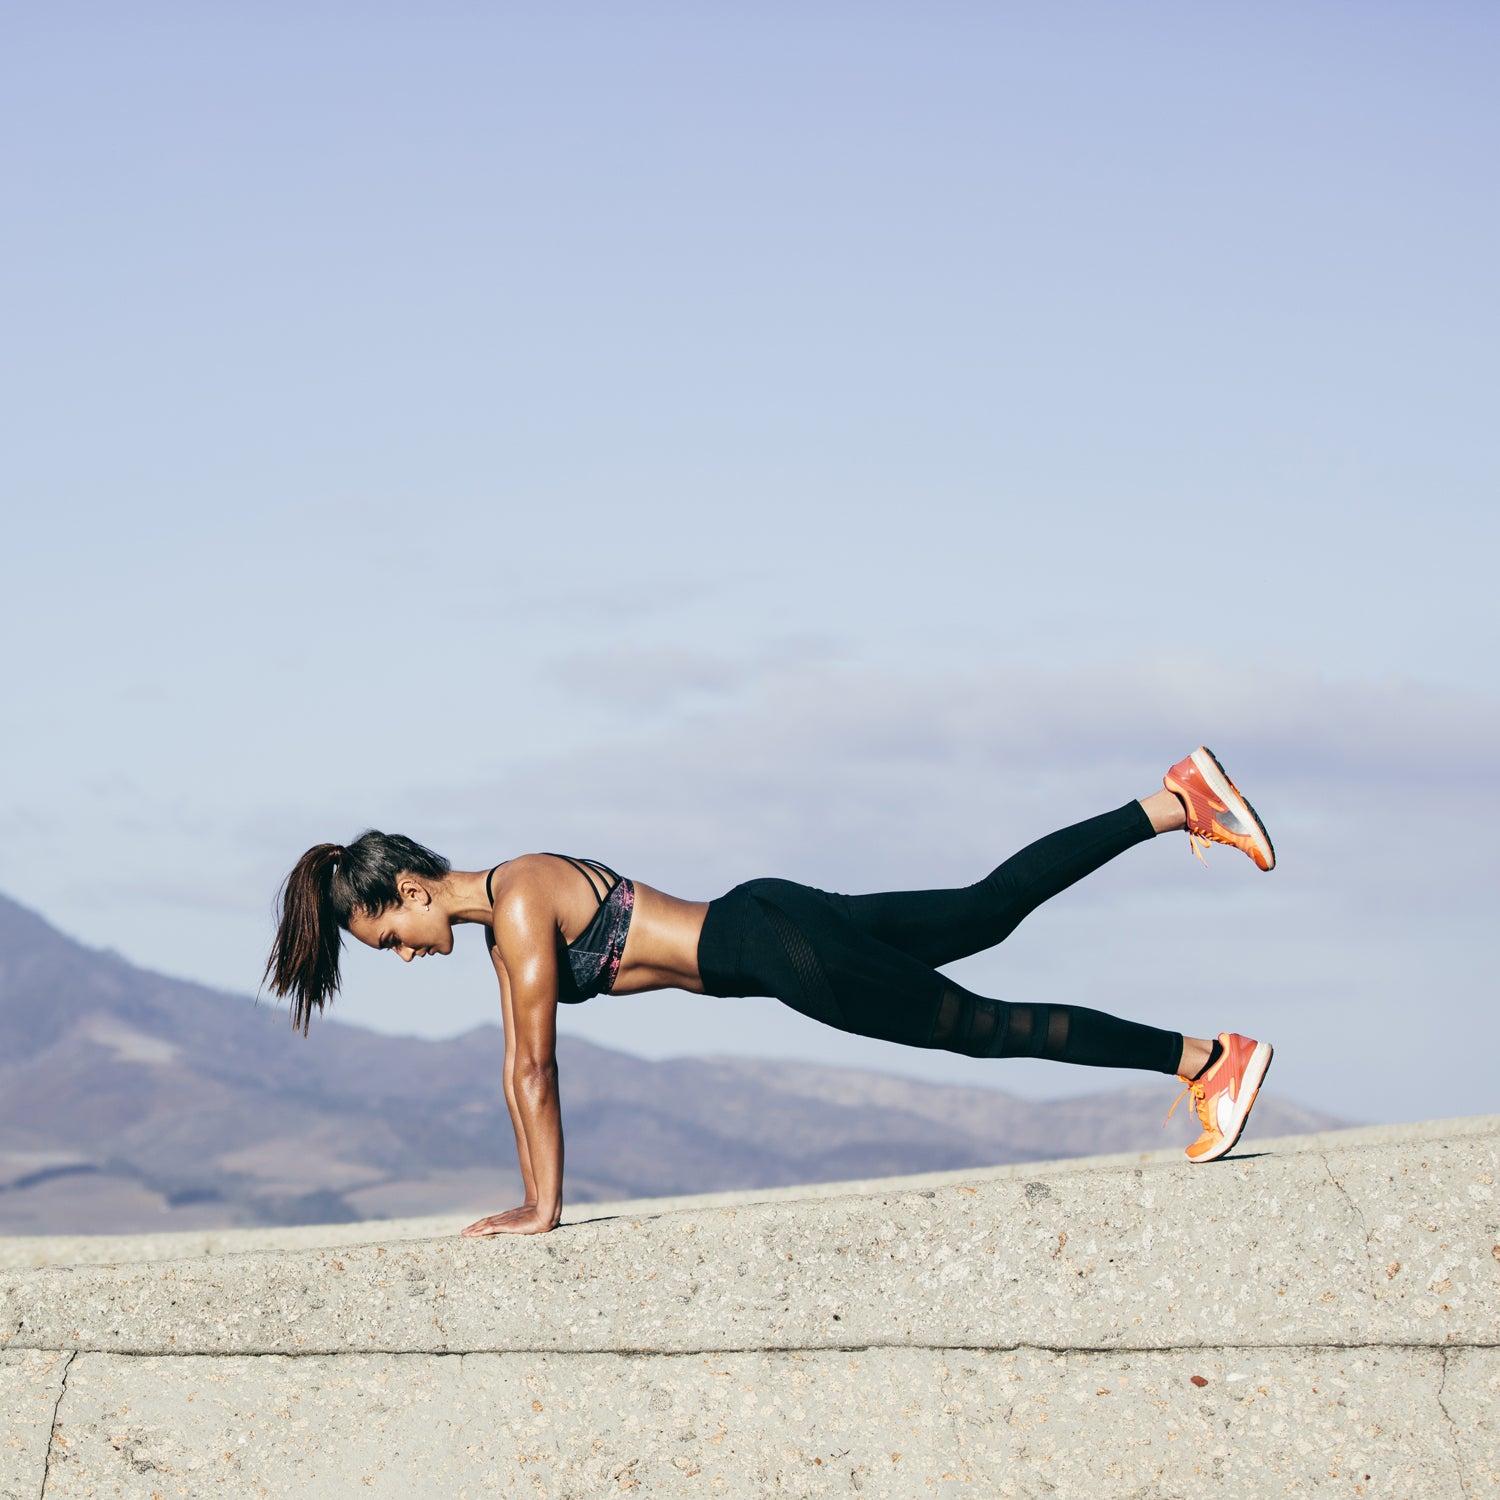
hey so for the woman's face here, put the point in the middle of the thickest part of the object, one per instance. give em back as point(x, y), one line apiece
point(410, 930)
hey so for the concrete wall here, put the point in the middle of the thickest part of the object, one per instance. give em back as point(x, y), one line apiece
point(1320, 1315)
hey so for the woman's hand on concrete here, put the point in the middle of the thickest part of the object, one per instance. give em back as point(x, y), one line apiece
point(527, 1219)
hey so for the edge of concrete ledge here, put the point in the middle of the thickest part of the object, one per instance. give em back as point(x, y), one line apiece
point(1383, 1236)
point(33, 1252)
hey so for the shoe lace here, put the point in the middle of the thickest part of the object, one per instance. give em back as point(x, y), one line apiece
point(1200, 1102)
point(1199, 844)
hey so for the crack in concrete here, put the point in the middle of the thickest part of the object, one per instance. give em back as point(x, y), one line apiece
point(1458, 1454)
point(1344, 1193)
point(52, 1428)
point(957, 1419)
point(713, 1352)
point(1372, 1285)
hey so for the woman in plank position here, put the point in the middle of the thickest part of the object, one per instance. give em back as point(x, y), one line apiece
point(564, 929)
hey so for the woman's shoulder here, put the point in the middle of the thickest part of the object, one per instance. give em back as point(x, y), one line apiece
point(528, 902)
point(521, 864)
point(541, 874)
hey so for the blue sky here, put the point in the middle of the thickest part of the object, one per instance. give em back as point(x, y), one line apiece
point(832, 441)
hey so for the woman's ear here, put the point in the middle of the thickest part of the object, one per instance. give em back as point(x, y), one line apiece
point(413, 892)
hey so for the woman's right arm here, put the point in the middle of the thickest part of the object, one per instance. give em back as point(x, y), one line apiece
point(507, 1011)
point(525, 934)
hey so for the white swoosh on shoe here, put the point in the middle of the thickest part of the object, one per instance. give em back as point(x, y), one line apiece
point(1228, 1112)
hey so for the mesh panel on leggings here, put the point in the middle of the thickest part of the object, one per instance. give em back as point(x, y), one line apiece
point(967, 1024)
point(984, 1028)
point(1056, 1045)
point(816, 990)
point(1018, 1033)
point(947, 1028)
point(1037, 1031)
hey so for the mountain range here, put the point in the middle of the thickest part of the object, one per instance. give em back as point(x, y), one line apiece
point(133, 1102)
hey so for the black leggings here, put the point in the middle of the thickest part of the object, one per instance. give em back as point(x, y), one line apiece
point(868, 964)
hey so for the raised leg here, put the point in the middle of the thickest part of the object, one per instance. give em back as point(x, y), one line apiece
point(939, 927)
point(797, 944)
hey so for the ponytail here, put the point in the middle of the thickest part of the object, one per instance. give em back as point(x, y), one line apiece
point(304, 959)
point(326, 886)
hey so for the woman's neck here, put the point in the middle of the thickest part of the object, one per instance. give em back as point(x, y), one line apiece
point(462, 896)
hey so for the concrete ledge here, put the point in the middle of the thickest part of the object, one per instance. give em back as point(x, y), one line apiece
point(1353, 1245)
point(30, 1252)
point(1321, 1315)
point(877, 1423)
point(31, 1386)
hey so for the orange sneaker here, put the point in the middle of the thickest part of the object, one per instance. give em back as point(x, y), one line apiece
point(1216, 812)
point(1224, 1094)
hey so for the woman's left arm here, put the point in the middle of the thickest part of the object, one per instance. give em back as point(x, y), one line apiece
point(525, 936)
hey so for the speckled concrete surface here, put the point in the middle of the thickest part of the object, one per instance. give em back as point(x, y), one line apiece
point(873, 1423)
point(27, 1252)
point(1361, 1245)
point(1319, 1317)
point(31, 1385)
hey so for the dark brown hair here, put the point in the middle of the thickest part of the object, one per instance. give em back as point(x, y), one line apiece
point(326, 887)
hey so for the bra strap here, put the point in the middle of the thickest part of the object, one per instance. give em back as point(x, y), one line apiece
point(579, 865)
point(584, 868)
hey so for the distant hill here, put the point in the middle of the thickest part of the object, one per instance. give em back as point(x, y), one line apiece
point(133, 1102)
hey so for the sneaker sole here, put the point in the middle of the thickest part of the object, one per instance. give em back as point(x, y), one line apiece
point(1229, 794)
point(1255, 1075)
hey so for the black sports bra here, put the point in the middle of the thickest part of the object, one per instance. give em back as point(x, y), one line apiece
point(594, 955)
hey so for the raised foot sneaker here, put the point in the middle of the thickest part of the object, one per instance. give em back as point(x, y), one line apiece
point(1216, 812)
point(1224, 1093)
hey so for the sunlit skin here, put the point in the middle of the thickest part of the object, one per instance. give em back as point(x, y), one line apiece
point(540, 902)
